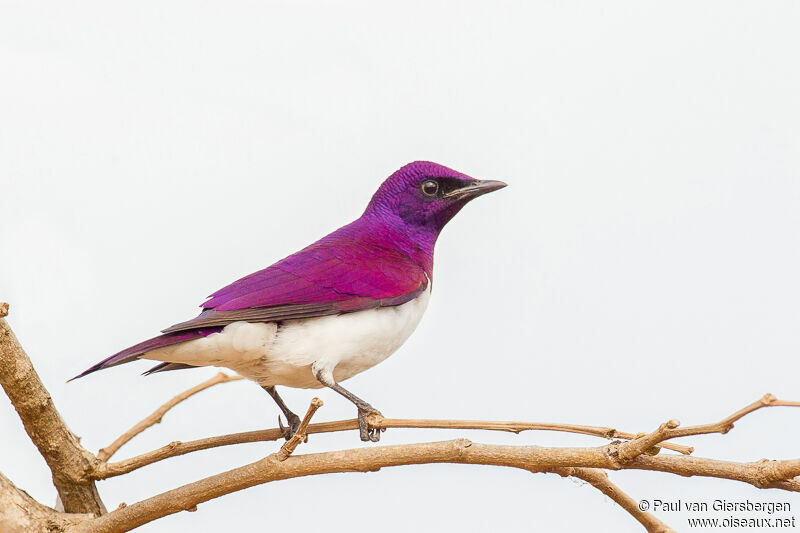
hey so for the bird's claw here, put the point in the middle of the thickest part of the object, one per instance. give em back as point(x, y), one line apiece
point(369, 433)
point(294, 423)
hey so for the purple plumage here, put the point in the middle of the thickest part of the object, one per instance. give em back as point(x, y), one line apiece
point(357, 260)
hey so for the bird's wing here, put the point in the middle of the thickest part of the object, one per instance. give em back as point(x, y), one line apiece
point(332, 276)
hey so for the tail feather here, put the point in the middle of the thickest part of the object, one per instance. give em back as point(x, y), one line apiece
point(166, 367)
point(137, 350)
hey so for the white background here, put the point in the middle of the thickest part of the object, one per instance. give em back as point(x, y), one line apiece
point(642, 265)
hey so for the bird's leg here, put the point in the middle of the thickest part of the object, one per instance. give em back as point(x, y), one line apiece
point(325, 377)
point(292, 419)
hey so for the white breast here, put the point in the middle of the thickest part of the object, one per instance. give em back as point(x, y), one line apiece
point(346, 344)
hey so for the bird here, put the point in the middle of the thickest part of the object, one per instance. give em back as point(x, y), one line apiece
point(332, 310)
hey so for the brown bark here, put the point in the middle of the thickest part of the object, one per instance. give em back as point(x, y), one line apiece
point(19, 513)
point(599, 480)
point(70, 464)
point(778, 474)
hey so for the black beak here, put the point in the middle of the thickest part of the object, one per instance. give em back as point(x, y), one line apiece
point(475, 189)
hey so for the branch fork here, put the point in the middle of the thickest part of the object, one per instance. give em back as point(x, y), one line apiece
point(625, 452)
point(300, 435)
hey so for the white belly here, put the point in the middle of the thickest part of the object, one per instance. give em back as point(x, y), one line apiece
point(282, 355)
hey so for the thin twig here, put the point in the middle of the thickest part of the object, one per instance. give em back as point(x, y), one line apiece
point(599, 479)
point(671, 430)
point(634, 448)
point(155, 417)
point(300, 435)
point(518, 427)
point(726, 424)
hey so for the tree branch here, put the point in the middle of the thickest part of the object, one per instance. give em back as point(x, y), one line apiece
point(74, 468)
point(19, 513)
point(70, 464)
point(763, 474)
point(580, 462)
point(461, 451)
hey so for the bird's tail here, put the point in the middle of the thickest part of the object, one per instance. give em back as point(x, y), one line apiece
point(136, 351)
point(166, 367)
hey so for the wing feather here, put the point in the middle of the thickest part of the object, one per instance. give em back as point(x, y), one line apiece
point(338, 274)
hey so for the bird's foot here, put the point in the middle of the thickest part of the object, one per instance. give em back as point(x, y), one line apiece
point(368, 433)
point(294, 423)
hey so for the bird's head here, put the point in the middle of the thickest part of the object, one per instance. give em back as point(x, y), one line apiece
point(422, 197)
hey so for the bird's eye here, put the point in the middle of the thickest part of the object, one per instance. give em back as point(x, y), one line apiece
point(429, 187)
